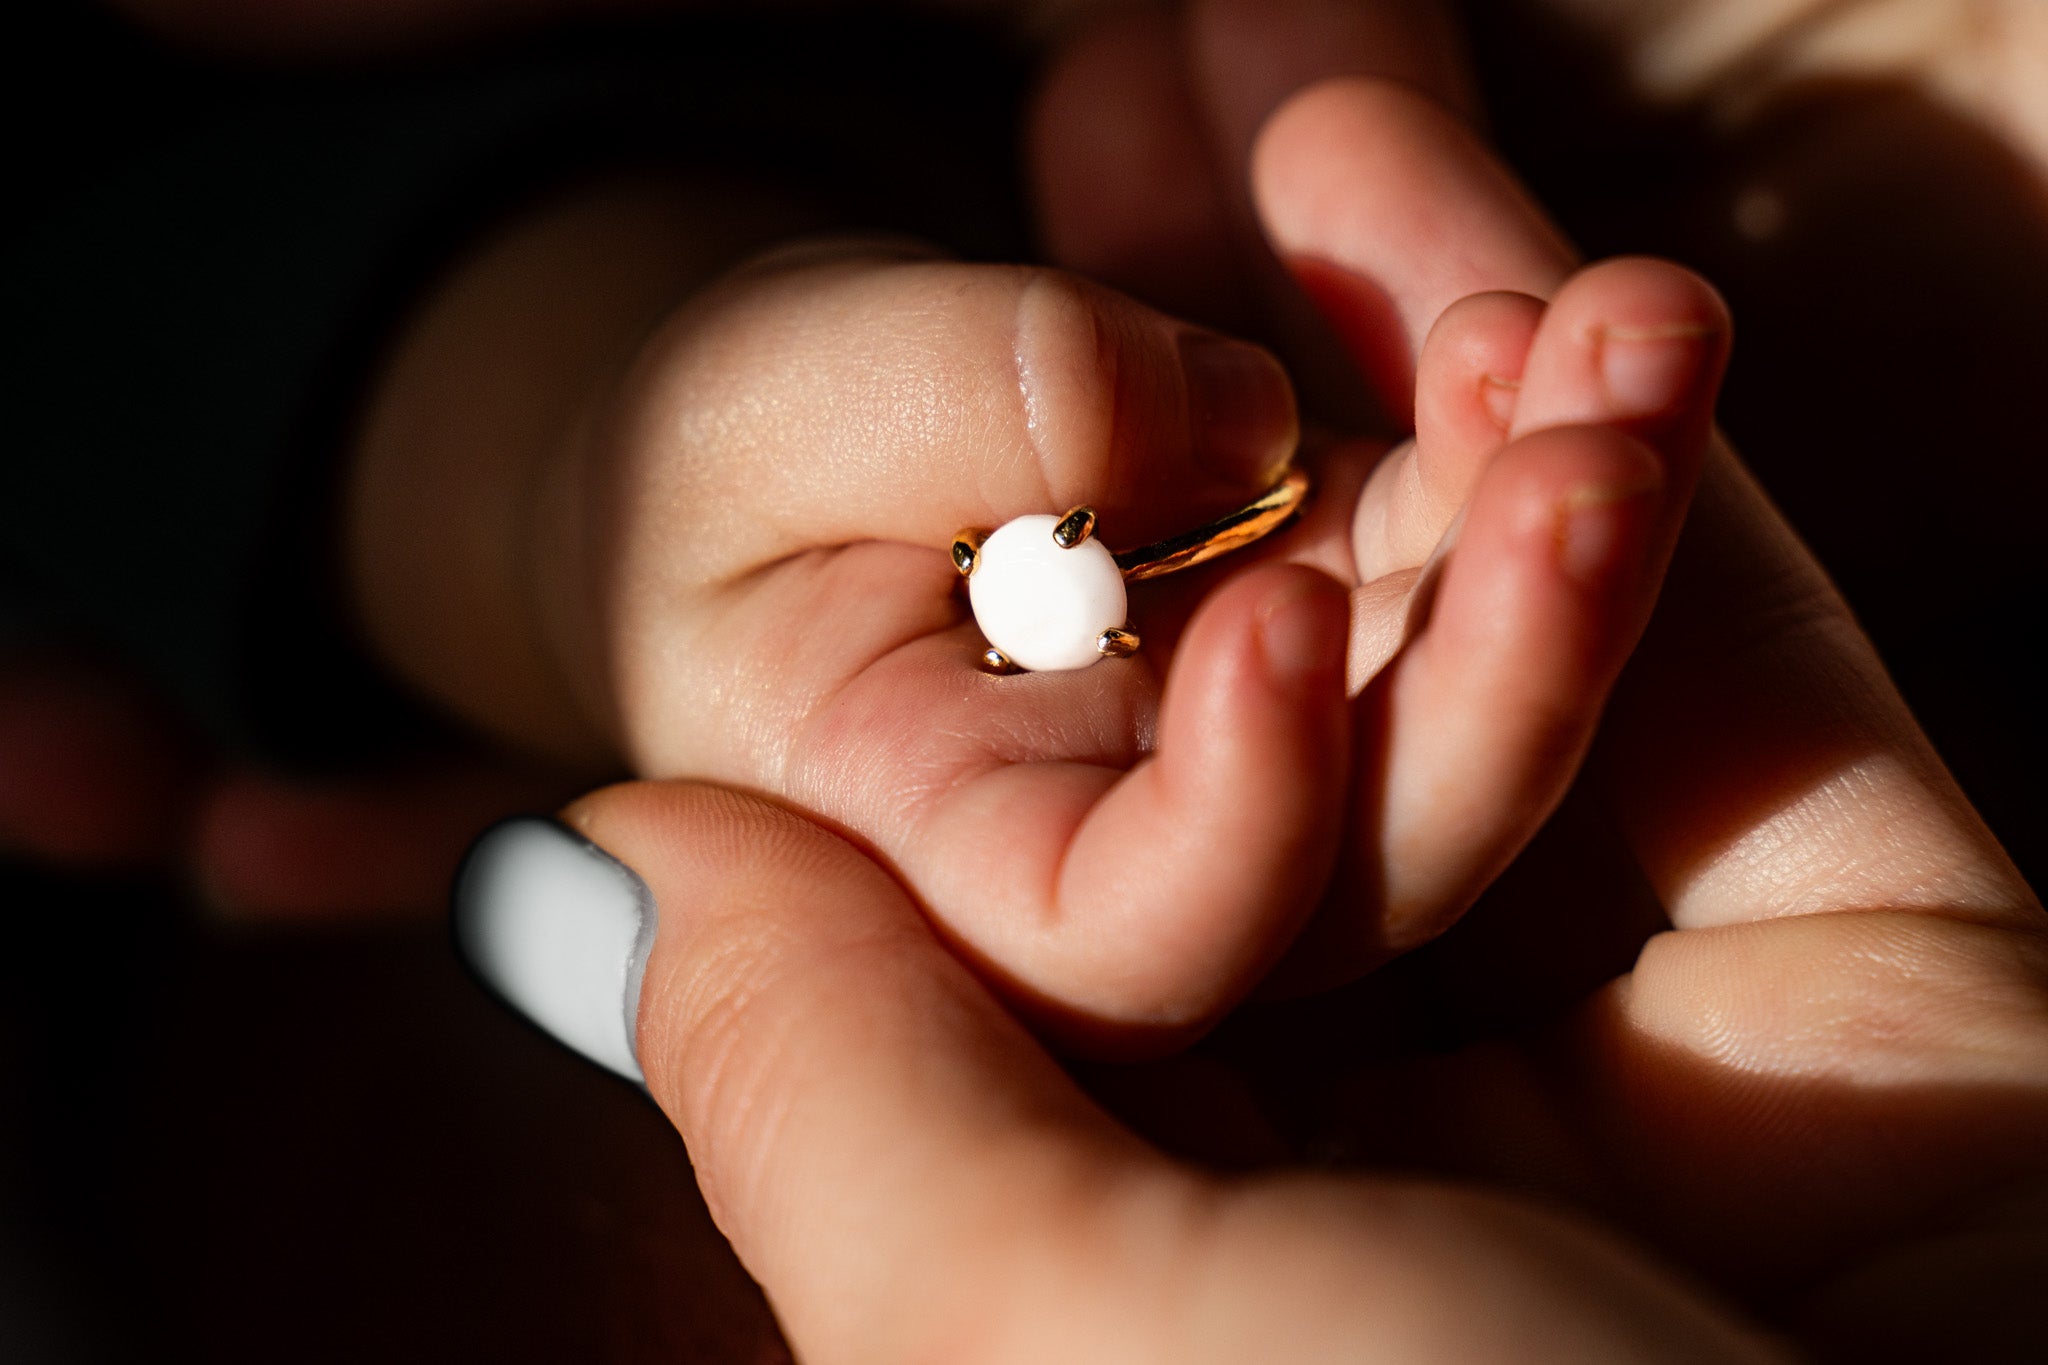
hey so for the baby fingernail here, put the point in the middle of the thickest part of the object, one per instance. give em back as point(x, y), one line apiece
point(1604, 528)
point(1499, 396)
point(1303, 633)
point(560, 930)
point(1241, 417)
point(1650, 371)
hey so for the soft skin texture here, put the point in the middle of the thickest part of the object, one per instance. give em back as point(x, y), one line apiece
point(1394, 176)
point(542, 537)
point(1822, 1087)
point(726, 559)
point(1819, 1089)
point(912, 1178)
point(732, 563)
point(262, 847)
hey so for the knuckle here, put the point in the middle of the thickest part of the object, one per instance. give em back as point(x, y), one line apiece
point(723, 1065)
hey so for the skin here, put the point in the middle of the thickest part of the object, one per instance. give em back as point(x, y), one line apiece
point(646, 556)
point(1816, 1093)
point(830, 1065)
point(143, 791)
point(1820, 985)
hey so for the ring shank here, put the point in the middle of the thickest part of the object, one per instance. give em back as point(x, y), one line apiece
point(1274, 509)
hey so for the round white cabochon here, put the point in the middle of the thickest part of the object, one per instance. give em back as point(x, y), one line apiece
point(1042, 606)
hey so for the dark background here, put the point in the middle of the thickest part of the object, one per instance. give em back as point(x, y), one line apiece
point(237, 1143)
point(240, 1144)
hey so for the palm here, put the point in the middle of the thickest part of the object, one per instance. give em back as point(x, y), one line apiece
point(1128, 845)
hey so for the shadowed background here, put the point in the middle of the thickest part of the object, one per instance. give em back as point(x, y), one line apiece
point(244, 1144)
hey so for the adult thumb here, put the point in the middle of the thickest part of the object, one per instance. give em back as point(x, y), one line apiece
point(893, 1157)
point(911, 1177)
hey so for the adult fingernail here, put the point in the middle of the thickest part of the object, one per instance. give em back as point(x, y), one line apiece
point(1604, 528)
point(1650, 371)
point(560, 930)
point(1241, 417)
point(1303, 631)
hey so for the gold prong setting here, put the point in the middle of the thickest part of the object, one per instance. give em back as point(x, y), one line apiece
point(1043, 589)
point(1049, 596)
point(967, 550)
point(1074, 528)
point(1116, 643)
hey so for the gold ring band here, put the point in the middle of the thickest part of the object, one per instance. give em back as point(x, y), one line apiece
point(1279, 505)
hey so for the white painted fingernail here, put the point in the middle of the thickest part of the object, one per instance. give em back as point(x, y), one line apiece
point(560, 929)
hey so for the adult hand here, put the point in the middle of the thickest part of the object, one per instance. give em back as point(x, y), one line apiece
point(1432, 221)
point(1820, 1087)
point(911, 1177)
point(1821, 1092)
point(1837, 1117)
point(1824, 1082)
point(1818, 1090)
point(727, 560)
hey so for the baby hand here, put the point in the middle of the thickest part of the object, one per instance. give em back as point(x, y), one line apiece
point(732, 565)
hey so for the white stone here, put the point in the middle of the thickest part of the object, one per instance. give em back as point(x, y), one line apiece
point(1042, 606)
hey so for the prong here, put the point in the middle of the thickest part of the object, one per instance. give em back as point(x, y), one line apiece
point(1075, 527)
point(995, 661)
point(967, 550)
point(1116, 644)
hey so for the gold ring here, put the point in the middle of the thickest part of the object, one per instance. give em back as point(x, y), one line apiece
point(1278, 506)
point(1049, 596)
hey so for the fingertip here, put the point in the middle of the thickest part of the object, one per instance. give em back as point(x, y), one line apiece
point(1273, 635)
point(1360, 183)
point(1490, 709)
point(1546, 478)
point(633, 816)
point(1651, 291)
point(1255, 747)
point(1329, 158)
point(559, 929)
point(1148, 419)
point(588, 924)
point(1563, 456)
point(1255, 55)
point(1468, 380)
point(1637, 342)
point(1187, 876)
point(1296, 186)
point(825, 1059)
point(1302, 624)
point(1561, 543)
point(1243, 425)
point(1468, 375)
point(1603, 525)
